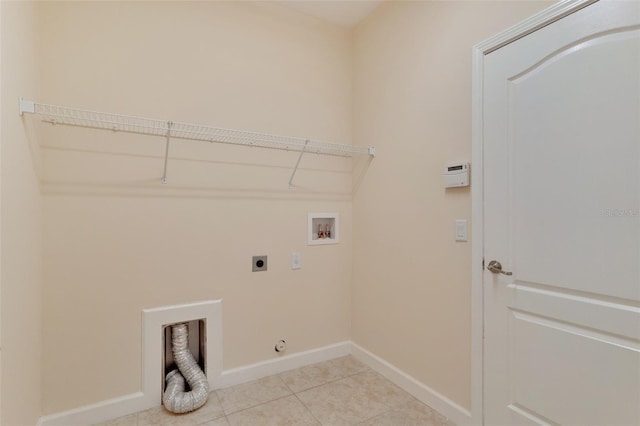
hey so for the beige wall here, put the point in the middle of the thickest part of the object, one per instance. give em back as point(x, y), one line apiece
point(412, 100)
point(20, 225)
point(117, 241)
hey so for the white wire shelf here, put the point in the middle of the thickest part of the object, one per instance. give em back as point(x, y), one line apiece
point(55, 115)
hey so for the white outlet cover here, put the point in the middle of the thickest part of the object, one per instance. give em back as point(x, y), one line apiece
point(461, 230)
point(296, 260)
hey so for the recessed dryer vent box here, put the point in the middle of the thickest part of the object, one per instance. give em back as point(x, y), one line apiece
point(197, 347)
point(323, 228)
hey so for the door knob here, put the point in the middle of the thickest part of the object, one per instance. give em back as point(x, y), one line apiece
point(495, 267)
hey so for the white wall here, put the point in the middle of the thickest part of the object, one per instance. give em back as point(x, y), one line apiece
point(20, 223)
point(116, 241)
point(412, 100)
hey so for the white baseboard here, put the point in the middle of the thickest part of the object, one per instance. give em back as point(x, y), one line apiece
point(262, 369)
point(150, 395)
point(419, 390)
point(96, 413)
point(129, 404)
point(117, 407)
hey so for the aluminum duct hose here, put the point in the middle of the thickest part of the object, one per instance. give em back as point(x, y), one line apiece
point(175, 398)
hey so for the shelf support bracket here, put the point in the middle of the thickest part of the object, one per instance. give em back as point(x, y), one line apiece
point(27, 106)
point(166, 152)
point(295, 169)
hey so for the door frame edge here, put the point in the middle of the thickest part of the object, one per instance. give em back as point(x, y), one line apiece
point(479, 51)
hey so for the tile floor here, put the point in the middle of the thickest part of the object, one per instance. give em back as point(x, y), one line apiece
point(338, 392)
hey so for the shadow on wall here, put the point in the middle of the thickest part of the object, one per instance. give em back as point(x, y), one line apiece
point(84, 161)
point(33, 137)
point(360, 167)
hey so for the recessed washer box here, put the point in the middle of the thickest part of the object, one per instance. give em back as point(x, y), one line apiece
point(323, 228)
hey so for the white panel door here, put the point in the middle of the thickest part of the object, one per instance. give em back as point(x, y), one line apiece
point(562, 213)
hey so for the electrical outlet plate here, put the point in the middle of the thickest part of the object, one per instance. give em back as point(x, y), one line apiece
point(461, 230)
point(296, 260)
point(259, 263)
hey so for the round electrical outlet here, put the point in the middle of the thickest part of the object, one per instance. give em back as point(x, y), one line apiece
point(281, 346)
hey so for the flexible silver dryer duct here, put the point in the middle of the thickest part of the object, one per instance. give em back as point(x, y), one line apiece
point(175, 399)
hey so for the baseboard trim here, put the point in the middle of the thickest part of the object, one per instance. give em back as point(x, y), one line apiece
point(419, 390)
point(129, 404)
point(266, 368)
point(96, 413)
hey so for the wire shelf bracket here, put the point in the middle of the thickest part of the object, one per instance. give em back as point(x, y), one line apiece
point(54, 114)
point(166, 153)
point(295, 169)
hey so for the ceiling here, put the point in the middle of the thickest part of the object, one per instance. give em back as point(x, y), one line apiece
point(346, 13)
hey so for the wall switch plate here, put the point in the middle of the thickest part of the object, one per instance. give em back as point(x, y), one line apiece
point(296, 260)
point(259, 263)
point(461, 230)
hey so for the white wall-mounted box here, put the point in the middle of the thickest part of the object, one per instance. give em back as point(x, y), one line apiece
point(455, 175)
point(323, 228)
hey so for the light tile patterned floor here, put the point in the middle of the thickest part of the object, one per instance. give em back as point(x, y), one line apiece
point(334, 393)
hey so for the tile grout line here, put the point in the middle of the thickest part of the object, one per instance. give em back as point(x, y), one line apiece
point(220, 404)
point(344, 371)
point(377, 415)
point(255, 405)
point(258, 405)
point(307, 408)
point(342, 377)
